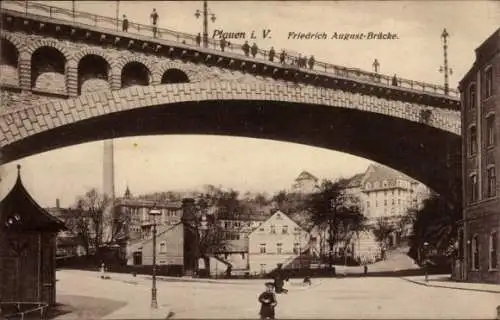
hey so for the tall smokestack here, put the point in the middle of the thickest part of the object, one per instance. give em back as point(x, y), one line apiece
point(109, 169)
point(58, 203)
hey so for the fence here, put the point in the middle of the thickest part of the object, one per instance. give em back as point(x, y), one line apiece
point(85, 18)
point(23, 310)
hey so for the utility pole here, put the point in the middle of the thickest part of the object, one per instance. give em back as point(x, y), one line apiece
point(447, 71)
point(117, 15)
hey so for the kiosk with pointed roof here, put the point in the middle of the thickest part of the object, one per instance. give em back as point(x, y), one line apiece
point(27, 248)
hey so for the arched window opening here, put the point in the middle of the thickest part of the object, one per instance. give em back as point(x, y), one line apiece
point(9, 72)
point(93, 73)
point(174, 76)
point(135, 74)
point(48, 69)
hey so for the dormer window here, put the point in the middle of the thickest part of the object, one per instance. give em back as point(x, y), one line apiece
point(368, 185)
point(385, 183)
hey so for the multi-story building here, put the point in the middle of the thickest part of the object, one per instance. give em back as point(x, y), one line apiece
point(135, 212)
point(389, 193)
point(480, 94)
point(305, 183)
point(279, 239)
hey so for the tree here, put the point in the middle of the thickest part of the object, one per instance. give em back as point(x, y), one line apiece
point(332, 209)
point(93, 222)
point(435, 223)
point(383, 229)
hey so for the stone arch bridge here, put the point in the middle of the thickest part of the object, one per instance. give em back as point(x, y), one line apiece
point(65, 83)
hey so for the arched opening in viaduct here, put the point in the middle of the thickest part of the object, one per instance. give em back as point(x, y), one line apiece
point(135, 74)
point(9, 57)
point(418, 150)
point(93, 74)
point(48, 70)
point(174, 76)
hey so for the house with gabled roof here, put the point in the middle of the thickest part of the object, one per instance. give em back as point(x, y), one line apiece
point(279, 239)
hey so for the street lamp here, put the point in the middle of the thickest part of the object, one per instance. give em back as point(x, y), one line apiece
point(333, 205)
point(444, 69)
point(202, 230)
point(205, 13)
point(154, 213)
point(426, 245)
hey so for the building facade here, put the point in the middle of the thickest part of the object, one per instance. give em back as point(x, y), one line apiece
point(279, 239)
point(478, 237)
point(305, 183)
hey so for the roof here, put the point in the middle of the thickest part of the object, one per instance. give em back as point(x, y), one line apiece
point(382, 173)
point(148, 203)
point(304, 175)
point(240, 245)
point(356, 180)
point(20, 212)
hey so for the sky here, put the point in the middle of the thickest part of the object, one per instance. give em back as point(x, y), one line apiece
point(161, 163)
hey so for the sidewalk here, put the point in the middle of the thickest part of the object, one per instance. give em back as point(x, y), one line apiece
point(444, 281)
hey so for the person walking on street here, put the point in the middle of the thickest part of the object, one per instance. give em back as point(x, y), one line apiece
point(154, 20)
point(103, 271)
point(268, 302)
point(279, 279)
point(272, 53)
point(198, 39)
point(255, 49)
point(246, 48)
point(311, 62)
point(125, 24)
point(282, 57)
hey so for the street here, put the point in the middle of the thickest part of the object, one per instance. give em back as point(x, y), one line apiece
point(325, 299)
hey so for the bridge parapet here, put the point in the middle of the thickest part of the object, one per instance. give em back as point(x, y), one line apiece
point(186, 43)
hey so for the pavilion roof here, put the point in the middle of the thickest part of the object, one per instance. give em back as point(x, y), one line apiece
point(20, 212)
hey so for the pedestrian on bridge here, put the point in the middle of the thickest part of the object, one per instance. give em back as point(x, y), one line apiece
point(125, 24)
point(246, 48)
point(311, 62)
point(154, 20)
point(223, 44)
point(394, 80)
point(272, 53)
point(254, 49)
point(198, 39)
point(282, 57)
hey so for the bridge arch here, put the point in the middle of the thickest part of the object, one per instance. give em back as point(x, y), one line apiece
point(9, 62)
point(174, 75)
point(49, 69)
point(93, 74)
point(365, 126)
point(192, 75)
point(135, 73)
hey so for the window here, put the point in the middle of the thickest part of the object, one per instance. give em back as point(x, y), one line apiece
point(279, 248)
point(488, 82)
point(285, 230)
point(472, 140)
point(278, 216)
point(243, 255)
point(163, 247)
point(261, 229)
point(493, 250)
point(472, 97)
point(273, 229)
point(473, 188)
point(393, 201)
point(492, 182)
point(385, 202)
point(376, 203)
point(490, 130)
point(296, 248)
point(475, 252)
point(262, 248)
point(399, 201)
point(384, 183)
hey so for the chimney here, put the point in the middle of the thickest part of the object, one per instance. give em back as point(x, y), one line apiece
point(188, 209)
point(58, 204)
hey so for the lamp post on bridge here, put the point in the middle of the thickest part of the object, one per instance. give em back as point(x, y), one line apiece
point(426, 263)
point(205, 13)
point(154, 303)
point(444, 68)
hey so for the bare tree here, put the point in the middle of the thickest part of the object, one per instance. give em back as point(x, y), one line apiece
point(94, 217)
point(382, 229)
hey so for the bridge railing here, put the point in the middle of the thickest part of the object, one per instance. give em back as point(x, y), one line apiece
point(30, 7)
